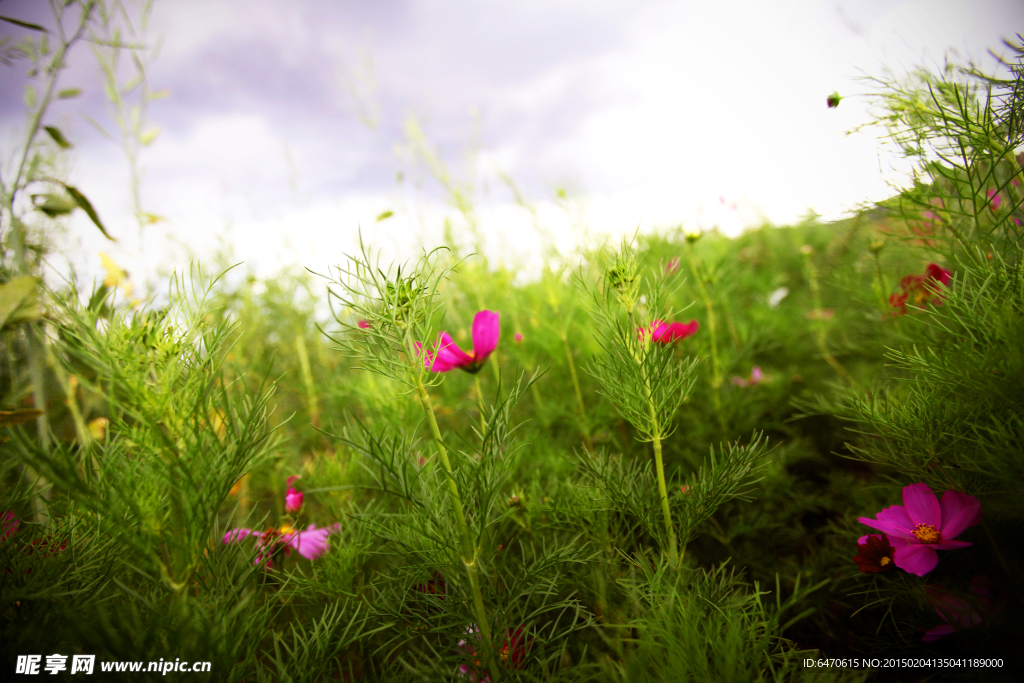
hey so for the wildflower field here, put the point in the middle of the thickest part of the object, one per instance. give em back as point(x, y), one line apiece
point(791, 455)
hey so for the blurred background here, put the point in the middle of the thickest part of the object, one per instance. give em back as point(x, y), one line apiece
point(272, 132)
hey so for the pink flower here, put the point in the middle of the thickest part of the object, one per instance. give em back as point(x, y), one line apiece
point(10, 525)
point(448, 356)
point(363, 325)
point(994, 199)
point(667, 333)
point(923, 525)
point(921, 289)
point(756, 377)
point(518, 337)
point(673, 263)
point(292, 501)
point(960, 613)
point(311, 543)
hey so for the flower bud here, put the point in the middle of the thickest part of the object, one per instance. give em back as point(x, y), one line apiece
point(876, 246)
point(833, 100)
point(293, 501)
point(693, 235)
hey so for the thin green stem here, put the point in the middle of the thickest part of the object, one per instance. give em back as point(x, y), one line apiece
point(821, 323)
point(580, 407)
point(716, 369)
point(480, 407)
point(469, 556)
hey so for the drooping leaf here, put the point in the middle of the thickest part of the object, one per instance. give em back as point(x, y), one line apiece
point(10, 418)
point(58, 137)
point(24, 24)
point(68, 93)
point(385, 215)
point(54, 205)
point(17, 304)
point(86, 206)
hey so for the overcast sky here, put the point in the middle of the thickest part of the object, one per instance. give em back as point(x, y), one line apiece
point(285, 129)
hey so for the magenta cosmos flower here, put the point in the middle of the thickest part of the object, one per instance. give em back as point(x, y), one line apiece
point(923, 525)
point(666, 333)
point(293, 498)
point(311, 543)
point(958, 612)
point(486, 331)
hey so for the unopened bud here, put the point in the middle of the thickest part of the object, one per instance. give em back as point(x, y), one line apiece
point(833, 100)
point(876, 246)
point(693, 235)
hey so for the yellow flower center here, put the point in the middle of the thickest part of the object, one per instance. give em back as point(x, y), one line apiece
point(926, 533)
point(884, 561)
point(286, 528)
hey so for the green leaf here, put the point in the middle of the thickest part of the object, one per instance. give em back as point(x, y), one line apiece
point(69, 93)
point(17, 305)
point(148, 136)
point(159, 94)
point(24, 24)
point(30, 96)
point(54, 205)
point(385, 216)
point(58, 137)
point(88, 208)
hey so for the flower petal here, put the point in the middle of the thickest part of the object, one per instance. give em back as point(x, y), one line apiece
point(951, 545)
point(236, 535)
point(893, 520)
point(311, 543)
point(448, 355)
point(486, 332)
point(937, 633)
point(916, 559)
point(922, 505)
point(959, 511)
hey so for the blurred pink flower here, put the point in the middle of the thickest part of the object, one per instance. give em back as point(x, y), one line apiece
point(448, 356)
point(672, 265)
point(756, 377)
point(518, 337)
point(994, 199)
point(10, 525)
point(923, 525)
point(664, 333)
point(960, 613)
point(363, 325)
point(310, 544)
point(292, 501)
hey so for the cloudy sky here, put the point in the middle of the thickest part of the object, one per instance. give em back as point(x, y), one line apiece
point(290, 125)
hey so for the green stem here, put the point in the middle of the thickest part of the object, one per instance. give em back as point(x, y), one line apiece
point(469, 557)
point(716, 370)
point(580, 407)
point(659, 463)
point(822, 324)
point(480, 407)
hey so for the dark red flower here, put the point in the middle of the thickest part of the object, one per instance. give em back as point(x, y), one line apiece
point(511, 653)
point(874, 554)
point(919, 290)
